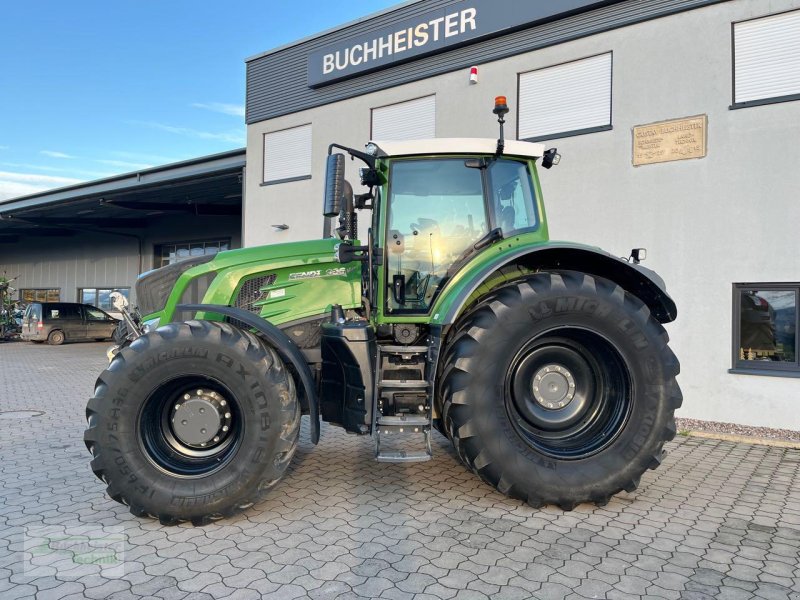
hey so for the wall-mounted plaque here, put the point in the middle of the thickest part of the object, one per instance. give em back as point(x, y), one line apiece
point(666, 141)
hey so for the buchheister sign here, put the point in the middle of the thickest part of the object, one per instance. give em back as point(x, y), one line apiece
point(454, 25)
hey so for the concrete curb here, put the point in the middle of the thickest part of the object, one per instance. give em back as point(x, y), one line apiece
point(744, 439)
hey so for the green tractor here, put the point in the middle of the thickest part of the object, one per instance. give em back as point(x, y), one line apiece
point(545, 363)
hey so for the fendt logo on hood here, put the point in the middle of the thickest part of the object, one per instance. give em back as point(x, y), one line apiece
point(305, 274)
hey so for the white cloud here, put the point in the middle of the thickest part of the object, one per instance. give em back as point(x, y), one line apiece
point(35, 178)
point(13, 185)
point(54, 154)
point(65, 170)
point(5, 147)
point(236, 110)
point(124, 164)
point(233, 137)
point(140, 157)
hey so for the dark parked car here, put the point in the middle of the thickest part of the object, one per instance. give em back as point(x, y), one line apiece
point(57, 322)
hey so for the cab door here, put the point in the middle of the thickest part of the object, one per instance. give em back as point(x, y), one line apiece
point(435, 212)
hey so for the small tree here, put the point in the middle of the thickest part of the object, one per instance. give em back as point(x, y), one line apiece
point(6, 303)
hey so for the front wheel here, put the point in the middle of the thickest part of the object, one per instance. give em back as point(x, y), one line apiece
point(194, 421)
point(560, 389)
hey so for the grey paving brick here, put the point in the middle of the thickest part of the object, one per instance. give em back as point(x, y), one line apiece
point(718, 520)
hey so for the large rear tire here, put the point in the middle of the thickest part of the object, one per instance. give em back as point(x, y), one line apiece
point(559, 389)
point(192, 422)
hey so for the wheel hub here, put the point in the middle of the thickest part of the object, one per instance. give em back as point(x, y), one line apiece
point(553, 387)
point(201, 418)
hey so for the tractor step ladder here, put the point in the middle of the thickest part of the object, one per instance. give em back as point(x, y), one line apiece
point(405, 426)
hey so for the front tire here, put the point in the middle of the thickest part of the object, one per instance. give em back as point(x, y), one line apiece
point(560, 389)
point(192, 422)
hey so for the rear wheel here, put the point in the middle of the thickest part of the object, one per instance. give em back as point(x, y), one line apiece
point(194, 421)
point(56, 338)
point(560, 389)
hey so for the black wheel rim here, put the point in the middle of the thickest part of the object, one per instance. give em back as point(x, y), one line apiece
point(190, 426)
point(568, 393)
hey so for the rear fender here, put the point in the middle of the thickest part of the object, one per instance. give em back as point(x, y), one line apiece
point(634, 278)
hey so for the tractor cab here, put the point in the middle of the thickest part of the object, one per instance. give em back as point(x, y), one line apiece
point(437, 204)
point(440, 208)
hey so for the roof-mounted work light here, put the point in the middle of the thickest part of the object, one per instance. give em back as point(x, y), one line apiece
point(550, 157)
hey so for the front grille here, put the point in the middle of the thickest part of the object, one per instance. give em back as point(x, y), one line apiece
point(153, 289)
point(251, 292)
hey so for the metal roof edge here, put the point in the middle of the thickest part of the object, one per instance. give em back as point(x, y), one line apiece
point(325, 32)
point(142, 177)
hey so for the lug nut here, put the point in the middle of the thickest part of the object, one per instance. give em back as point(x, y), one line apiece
point(227, 415)
point(177, 406)
point(187, 397)
point(224, 428)
point(222, 403)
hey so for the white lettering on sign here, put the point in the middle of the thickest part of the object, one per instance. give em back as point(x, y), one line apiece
point(449, 26)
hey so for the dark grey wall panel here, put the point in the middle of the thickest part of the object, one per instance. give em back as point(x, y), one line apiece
point(277, 82)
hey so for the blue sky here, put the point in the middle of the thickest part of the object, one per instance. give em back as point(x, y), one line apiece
point(94, 88)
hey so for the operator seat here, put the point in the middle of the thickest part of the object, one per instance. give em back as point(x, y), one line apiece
point(507, 218)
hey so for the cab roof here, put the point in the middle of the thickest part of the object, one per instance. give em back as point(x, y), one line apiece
point(458, 146)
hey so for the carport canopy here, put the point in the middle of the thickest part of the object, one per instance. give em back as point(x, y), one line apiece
point(209, 186)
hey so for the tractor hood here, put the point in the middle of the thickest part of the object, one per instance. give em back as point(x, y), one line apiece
point(280, 282)
point(312, 251)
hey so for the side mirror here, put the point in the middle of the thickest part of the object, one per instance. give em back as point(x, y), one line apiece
point(334, 185)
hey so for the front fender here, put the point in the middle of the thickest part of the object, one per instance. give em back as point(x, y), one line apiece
point(636, 279)
point(281, 343)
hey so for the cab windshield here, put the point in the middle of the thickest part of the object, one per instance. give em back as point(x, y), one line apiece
point(437, 212)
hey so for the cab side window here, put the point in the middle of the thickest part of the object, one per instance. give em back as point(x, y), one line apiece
point(513, 198)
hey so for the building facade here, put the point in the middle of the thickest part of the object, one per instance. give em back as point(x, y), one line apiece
point(677, 120)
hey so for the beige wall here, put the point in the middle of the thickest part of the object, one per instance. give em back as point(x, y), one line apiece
point(730, 217)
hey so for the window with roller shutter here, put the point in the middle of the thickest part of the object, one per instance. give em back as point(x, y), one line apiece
point(766, 60)
point(287, 155)
point(410, 120)
point(568, 99)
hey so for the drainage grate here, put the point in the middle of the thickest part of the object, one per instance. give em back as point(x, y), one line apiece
point(20, 414)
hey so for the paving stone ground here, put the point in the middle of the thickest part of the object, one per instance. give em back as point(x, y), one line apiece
point(717, 520)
